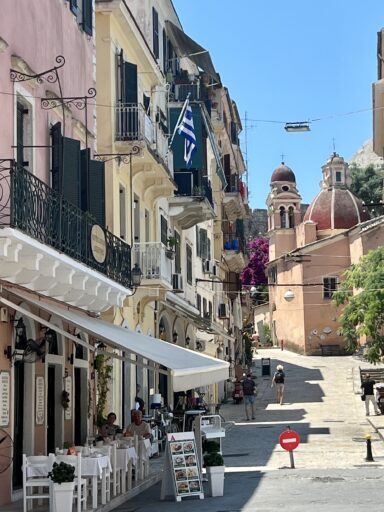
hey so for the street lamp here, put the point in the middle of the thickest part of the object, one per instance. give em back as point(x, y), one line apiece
point(136, 275)
point(289, 295)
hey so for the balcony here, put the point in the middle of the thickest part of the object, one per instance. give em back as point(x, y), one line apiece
point(234, 198)
point(154, 263)
point(193, 201)
point(136, 133)
point(234, 253)
point(51, 246)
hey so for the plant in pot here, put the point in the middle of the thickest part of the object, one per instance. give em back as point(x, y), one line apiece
point(62, 476)
point(214, 465)
point(171, 244)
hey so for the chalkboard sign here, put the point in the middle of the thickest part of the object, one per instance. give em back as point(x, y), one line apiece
point(182, 474)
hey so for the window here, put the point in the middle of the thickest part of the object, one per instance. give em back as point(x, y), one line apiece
point(338, 177)
point(272, 274)
point(155, 23)
point(178, 253)
point(198, 302)
point(285, 188)
point(290, 217)
point(329, 287)
point(24, 133)
point(204, 307)
point(83, 10)
point(123, 213)
point(283, 218)
point(189, 264)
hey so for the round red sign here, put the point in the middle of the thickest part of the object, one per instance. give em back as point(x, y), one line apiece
point(289, 440)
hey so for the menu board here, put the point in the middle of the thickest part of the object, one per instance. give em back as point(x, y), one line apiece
point(182, 467)
point(4, 398)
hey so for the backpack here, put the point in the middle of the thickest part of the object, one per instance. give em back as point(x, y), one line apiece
point(248, 387)
point(279, 377)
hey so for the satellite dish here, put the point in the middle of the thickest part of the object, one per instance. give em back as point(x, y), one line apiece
point(327, 330)
point(314, 332)
point(6, 450)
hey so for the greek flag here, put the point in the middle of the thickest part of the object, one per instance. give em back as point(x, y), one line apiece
point(187, 130)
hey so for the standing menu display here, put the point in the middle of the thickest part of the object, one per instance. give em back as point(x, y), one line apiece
point(182, 475)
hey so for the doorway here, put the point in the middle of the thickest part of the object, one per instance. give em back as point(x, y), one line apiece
point(51, 410)
point(81, 406)
point(18, 435)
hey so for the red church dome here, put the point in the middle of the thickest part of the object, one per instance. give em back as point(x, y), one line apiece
point(336, 208)
point(283, 173)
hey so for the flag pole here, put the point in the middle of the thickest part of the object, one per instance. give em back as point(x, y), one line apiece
point(178, 120)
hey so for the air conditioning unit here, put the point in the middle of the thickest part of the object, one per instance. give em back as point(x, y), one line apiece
point(222, 313)
point(177, 282)
point(209, 267)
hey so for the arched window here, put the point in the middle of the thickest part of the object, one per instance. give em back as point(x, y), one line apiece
point(290, 217)
point(283, 219)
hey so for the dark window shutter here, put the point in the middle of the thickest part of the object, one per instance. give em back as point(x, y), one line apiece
point(96, 192)
point(209, 248)
point(71, 171)
point(57, 156)
point(234, 133)
point(155, 22)
point(87, 16)
point(130, 83)
point(93, 187)
point(178, 253)
point(164, 230)
point(198, 302)
point(189, 264)
point(20, 134)
point(73, 6)
point(165, 47)
point(198, 246)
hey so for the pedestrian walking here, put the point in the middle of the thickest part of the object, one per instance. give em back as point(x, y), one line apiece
point(368, 393)
point(249, 390)
point(278, 381)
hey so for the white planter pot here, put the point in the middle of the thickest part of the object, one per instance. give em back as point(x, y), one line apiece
point(63, 496)
point(215, 476)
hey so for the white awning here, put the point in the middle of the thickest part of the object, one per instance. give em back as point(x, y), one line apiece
point(187, 369)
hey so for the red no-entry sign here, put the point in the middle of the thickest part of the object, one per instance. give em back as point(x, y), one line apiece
point(289, 440)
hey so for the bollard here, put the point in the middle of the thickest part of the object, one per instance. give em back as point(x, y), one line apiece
point(369, 457)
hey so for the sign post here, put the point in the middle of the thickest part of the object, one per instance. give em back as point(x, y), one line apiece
point(289, 440)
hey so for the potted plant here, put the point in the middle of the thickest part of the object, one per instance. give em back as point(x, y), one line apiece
point(62, 476)
point(171, 244)
point(214, 465)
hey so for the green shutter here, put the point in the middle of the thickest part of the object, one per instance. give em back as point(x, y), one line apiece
point(178, 141)
point(87, 16)
point(93, 187)
point(130, 83)
point(71, 171)
point(57, 156)
point(198, 248)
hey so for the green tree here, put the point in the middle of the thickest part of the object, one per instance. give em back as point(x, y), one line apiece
point(367, 184)
point(363, 313)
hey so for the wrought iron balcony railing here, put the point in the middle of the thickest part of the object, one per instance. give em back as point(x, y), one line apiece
point(133, 124)
point(31, 206)
point(188, 185)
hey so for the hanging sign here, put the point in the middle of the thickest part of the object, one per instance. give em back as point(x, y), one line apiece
point(68, 389)
point(98, 243)
point(181, 475)
point(40, 400)
point(4, 398)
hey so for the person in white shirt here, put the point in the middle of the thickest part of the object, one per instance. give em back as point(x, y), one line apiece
point(138, 427)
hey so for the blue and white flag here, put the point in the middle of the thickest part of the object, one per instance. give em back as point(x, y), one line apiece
point(187, 130)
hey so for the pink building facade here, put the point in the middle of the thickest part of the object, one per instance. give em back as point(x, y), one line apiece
point(308, 257)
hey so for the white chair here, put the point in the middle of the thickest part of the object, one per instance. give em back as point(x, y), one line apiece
point(110, 478)
point(35, 476)
point(80, 492)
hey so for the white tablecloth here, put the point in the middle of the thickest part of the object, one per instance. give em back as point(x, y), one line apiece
point(92, 466)
point(123, 456)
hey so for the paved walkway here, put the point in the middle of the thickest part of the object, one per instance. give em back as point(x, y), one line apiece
point(322, 403)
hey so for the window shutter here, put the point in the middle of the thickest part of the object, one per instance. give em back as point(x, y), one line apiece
point(71, 171)
point(155, 22)
point(165, 46)
point(189, 264)
point(20, 135)
point(130, 83)
point(178, 253)
point(57, 156)
point(73, 6)
point(164, 230)
point(209, 248)
point(87, 16)
point(198, 248)
point(93, 187)
point(234, 133)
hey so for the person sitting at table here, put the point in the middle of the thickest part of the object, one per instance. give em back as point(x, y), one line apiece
point(138, 427)
point(109, 429)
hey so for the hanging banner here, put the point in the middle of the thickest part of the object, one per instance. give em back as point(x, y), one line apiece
point(40, 400)
point(182, 474)
point(4, 398)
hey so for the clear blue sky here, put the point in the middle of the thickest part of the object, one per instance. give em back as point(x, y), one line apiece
point(289, 61)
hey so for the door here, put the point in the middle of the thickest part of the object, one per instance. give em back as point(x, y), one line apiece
point(51, 394)
point(18, 433)
point(81, 405)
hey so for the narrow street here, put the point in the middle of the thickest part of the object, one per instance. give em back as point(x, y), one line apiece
point(323, 405)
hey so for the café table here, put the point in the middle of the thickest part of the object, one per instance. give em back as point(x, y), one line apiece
point(95, 466)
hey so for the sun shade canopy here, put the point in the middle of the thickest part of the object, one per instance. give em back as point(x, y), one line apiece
point(187, 47)
point(186, 368)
